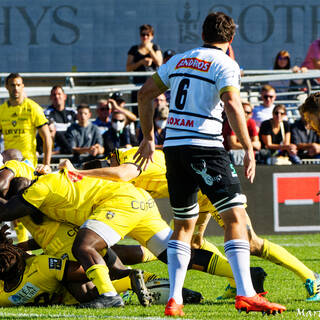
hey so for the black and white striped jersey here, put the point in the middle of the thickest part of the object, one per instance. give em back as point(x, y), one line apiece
point(197, 78)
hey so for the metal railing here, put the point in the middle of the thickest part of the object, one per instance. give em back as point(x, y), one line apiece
point(251, 83)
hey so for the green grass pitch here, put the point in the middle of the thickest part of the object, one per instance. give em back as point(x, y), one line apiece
point(283, 286)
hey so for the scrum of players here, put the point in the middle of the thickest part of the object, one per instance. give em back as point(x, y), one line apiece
point(77, 217)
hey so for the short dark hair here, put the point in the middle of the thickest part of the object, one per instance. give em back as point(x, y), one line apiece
point(55, 88)
point(13, 76)
point(218, 28)
point(146, 27)
point(83, 106)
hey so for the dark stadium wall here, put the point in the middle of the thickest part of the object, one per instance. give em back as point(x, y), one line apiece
point(64, 35)
point(282, 199)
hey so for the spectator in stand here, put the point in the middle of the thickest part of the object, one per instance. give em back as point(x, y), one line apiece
point(264, 111)
point(84, 137)
point(157, 103)
point(106, 106)
point(145, 56)
point(58, 112)
point(275, 135)
point(60, 143)
point(160, 120)
point(103, 120)
point(160, 101)
point(118, 136)
point(312, 59)
point(306, 140)
point(283, 62)
point(168, 54)
point(231, 141)
point(60, 118)
point(119, 104)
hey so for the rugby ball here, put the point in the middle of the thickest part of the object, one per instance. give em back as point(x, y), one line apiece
point(160, 289)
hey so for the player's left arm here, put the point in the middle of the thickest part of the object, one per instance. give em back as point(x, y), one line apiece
point(47, 143)
point(237, 120)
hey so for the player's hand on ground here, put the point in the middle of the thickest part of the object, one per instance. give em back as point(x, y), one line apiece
point(145, 153)
point(66, 164)
point(43, 169)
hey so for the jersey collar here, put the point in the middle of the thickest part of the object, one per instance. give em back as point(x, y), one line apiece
point(211, 47)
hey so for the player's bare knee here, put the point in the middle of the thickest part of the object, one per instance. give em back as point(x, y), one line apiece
point(196, 241)
point(231, 209)
point(256, 246)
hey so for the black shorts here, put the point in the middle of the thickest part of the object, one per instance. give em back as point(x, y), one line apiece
point(191, 167)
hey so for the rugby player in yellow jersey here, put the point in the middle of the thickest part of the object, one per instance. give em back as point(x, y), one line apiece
point(7, 155)
point(56, 238)
point(34, 280)
point(123, 167)
point(20, 119)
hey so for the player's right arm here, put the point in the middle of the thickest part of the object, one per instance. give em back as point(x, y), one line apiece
point(123, 172)
point(150, 90)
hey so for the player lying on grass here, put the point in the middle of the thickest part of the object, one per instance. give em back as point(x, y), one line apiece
point(153, 179)
point(35, 280)
point(108, 206)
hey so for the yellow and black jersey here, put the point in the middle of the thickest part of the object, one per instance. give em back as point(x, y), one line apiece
point(153, 179)
point(40, 283)
point(69, 197)
point(19, 127)
point(42, 233)
point(23, 169)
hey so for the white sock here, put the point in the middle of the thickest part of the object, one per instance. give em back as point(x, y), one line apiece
point(109, 294)
point(178, 253)
point(238, 255)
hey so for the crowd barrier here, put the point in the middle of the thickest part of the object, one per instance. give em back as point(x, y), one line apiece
point(281, 200)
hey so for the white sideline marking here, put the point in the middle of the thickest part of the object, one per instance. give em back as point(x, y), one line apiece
point(313, 244)
point(61, 316)
point(298, 202)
